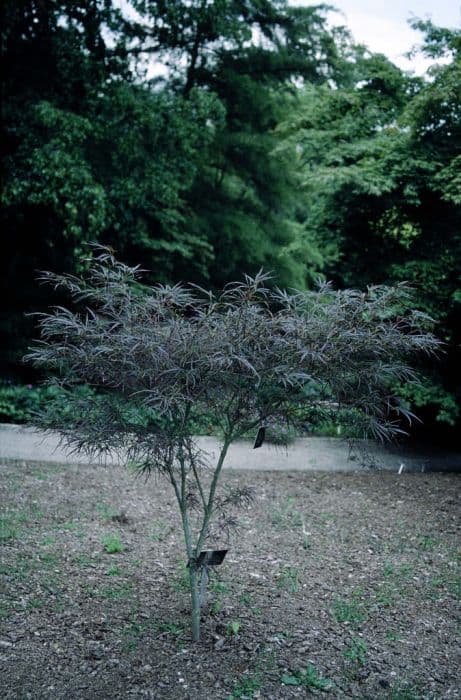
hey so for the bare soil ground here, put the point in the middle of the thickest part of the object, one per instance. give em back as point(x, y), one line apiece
point(343, 585)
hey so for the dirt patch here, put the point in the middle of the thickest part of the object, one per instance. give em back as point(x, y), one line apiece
point(342, 585)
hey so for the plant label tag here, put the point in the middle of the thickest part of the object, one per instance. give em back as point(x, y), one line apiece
point(260, 435)
point(210, 557)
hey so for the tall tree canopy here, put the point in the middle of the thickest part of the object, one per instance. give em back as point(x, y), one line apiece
point(249, 55)
point(181, 173)
point(380, 161)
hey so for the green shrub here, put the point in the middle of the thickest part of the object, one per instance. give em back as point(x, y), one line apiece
point(22, 403)
point(19, 403)
point(429, 393)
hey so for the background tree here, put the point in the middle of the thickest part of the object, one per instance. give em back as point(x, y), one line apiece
point(380, 165)
point(161, 356)
point(88, 154)
point(250, 54)
point(180, 172)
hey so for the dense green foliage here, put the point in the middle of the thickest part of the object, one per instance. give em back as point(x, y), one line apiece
point(210, 139)
point(380, 161)
point(179, 172)
point(23, 403)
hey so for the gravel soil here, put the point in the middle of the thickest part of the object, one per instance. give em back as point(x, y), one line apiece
point(342, 585)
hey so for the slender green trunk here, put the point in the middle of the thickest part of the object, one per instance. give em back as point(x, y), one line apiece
point(191, 553)
point(195, 599)
point(214, 483)
point(195, 574)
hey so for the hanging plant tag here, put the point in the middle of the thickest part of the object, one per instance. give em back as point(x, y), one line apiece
point(260, 435)
point(210, 557)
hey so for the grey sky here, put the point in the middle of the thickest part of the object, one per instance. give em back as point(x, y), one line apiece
point(382, 24)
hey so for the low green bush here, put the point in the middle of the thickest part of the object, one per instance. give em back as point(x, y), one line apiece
point(20, 403)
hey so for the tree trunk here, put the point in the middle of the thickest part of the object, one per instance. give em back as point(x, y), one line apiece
point(195, 597)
